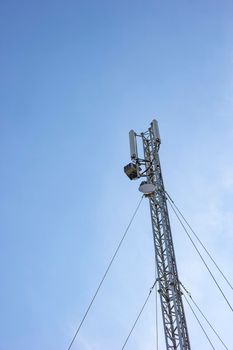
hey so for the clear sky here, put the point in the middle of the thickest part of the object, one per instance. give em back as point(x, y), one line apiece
point(76, 76)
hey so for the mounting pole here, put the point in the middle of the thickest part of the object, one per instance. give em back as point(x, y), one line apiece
point(173, 315)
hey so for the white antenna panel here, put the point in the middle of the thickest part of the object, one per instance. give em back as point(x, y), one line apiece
point(155, 129)
point(133, 145)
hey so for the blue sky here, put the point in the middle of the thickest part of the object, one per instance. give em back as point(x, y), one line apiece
point(76, 76)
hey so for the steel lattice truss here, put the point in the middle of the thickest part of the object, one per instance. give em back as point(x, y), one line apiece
point(175, 327)
point(176, 333)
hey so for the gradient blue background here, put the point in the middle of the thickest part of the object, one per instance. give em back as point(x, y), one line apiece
point(76, 76)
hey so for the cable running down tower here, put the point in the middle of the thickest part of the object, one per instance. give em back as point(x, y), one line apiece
point(148, 166)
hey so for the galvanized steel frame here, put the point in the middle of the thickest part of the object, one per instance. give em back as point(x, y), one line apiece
point(175, 326)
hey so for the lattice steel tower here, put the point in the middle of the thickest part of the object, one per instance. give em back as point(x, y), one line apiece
point(148, 166)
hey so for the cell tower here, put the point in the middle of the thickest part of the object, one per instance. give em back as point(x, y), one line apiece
point(173, 315)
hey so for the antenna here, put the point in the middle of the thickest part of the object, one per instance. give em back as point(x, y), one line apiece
point(148, 167)
point(155, 129)
point(133, 145)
